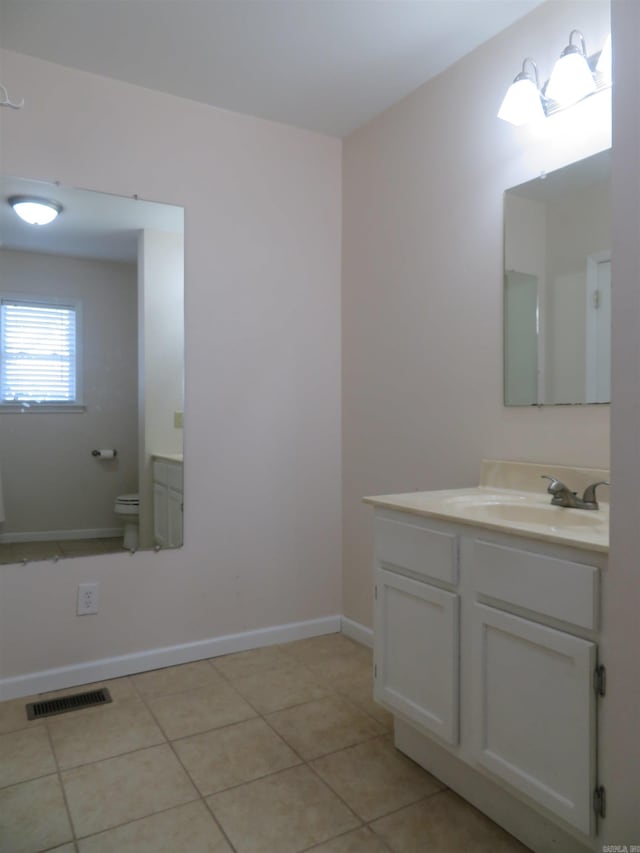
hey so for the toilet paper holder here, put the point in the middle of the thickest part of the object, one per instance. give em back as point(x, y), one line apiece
point(105, 453)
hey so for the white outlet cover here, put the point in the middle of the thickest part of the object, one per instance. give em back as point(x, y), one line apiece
point(87, 599)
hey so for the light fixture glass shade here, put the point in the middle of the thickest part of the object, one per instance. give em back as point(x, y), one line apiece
point(35, 211)
point(521, 104)
point(571, 78)
point(603, 68)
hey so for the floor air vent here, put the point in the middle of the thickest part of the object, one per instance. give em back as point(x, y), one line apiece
point(76, 702)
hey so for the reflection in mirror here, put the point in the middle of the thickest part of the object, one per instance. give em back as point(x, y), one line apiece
point(557, 287)
point(91, 375)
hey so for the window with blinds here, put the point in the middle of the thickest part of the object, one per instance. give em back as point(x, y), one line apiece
point(38, 351)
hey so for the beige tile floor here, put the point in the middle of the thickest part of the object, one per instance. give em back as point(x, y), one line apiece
point(276, 750)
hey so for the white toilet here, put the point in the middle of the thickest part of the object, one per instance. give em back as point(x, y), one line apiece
point(127, 508)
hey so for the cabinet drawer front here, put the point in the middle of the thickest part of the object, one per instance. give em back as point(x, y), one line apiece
point(417, 549)
point(174, 477)
point(533, 710)
point(550, 586)
point(160, 472)
point(416, 652)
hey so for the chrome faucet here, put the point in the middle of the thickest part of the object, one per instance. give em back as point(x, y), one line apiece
point(561, 495)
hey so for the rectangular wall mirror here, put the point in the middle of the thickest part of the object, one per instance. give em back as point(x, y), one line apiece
point(557, 287)
point(91, 375)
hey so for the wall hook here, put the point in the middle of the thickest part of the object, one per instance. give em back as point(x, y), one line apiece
point(5, 100)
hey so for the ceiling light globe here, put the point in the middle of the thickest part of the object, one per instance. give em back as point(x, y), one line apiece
point(571, 79)
point(521, 104)
point(35, 211)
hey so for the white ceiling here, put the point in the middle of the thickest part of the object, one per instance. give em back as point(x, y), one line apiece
point(325, 65)
point(91, 225)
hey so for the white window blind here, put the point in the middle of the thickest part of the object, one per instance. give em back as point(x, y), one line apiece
point(38, 351)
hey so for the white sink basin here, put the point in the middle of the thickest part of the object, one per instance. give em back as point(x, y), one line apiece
point(512, 498)
point(485, 498)
point(535, 514)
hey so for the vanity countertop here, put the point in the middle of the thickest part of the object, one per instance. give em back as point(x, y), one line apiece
point(169, 457)
point(511, 499)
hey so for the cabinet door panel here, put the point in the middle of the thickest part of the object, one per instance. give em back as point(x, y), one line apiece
point(160, 514)
point(534, 710)
point(175, 518)
point(417, 653)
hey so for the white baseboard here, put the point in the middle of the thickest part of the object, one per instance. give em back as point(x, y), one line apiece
point(115, 667)
point(359, 633)
point(58, 535)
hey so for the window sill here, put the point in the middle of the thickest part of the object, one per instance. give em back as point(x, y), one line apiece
point(41, 408)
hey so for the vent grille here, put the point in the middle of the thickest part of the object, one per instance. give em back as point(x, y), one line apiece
point(49, 707)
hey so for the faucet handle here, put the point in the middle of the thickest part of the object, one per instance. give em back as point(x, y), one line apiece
point(590, 492)
point(555, 485)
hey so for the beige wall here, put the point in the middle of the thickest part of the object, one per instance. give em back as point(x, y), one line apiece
point(620, 761)
point(262, 409)
point(422, 283)
point(50, 480)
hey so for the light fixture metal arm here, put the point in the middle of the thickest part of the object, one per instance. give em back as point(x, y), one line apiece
point(583, 46)
point(5, 100)
point(524, 74)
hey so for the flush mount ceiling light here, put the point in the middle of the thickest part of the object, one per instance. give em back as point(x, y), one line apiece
point(522, 104)
point(35, 211)
point(571, 79)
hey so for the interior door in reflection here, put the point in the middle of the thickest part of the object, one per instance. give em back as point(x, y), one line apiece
point(521, 338)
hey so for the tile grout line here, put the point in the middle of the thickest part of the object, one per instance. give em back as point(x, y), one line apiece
point(201, 797)
point(325, 684)
point(58, 846)
point(100, 710)
point(120, 755)
point(168, 742)
point(259, 715)
point(421, 799)
point(62, 787)
point(343, 835)
point(305, 763)
point(159, 811)
point(135, 820)
point(336, 690)
point(332, 692)
point(402, 808)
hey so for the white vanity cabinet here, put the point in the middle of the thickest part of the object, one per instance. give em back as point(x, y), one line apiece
point(417, 653)
point(532, 701)
point(533, 706)
point(417, 624)
point(489, 643)
point(168, 498)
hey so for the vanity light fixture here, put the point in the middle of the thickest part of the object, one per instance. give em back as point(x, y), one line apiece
point(35, 211)
point(571, 79)
point(575, 76)
point(523, 102)
point(603, 66)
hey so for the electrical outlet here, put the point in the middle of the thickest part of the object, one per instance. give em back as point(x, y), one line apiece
point(87, 598)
